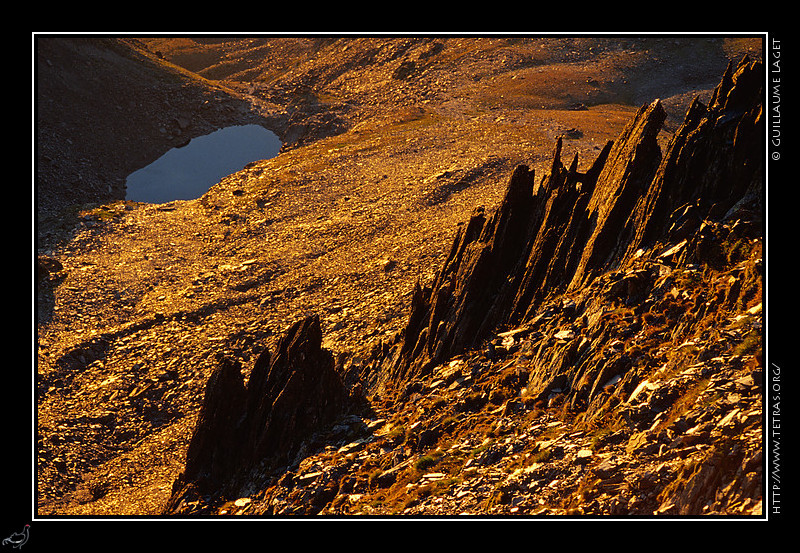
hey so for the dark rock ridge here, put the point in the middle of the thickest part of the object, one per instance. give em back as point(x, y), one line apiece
point(268, 422)
point(560, 235)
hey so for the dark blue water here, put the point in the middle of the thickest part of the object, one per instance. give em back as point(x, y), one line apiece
point(187, 173)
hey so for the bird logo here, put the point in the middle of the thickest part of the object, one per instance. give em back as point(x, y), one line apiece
point(18, 539)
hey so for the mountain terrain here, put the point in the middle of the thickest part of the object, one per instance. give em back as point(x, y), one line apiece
point(497, 276)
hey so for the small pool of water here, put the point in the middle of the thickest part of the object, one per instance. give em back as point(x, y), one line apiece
point(188, 172)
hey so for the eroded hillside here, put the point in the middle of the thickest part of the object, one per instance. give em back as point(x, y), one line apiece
point(389, 146)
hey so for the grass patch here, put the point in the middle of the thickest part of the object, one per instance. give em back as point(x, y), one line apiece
point(425, 462)
point(751, 344)
point(103, 213)
point(443, 486)
point(542, 456)
point(598, 438)
point(478, 450)
point(397, 434)
point(736, 250)
point(373, 476)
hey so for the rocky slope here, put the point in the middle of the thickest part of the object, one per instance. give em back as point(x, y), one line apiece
point(589, 343)
point(606, 361)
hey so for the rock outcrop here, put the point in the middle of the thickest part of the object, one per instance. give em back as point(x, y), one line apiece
point(267, 423)
point(562, 234)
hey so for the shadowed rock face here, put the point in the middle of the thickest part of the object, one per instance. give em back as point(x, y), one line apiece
point(218, 432)
point(561, 234)
point(290, 395)
point(714, 163)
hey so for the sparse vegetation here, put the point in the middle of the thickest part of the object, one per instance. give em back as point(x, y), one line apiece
point(425, 462)
point(751, 343)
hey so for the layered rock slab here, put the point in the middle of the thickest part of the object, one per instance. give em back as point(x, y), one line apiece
point(266, 423)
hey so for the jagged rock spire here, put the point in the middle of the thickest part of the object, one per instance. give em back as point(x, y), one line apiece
point(713, 160)
point(559, 236)
point(290, 395)
point(218, 430)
